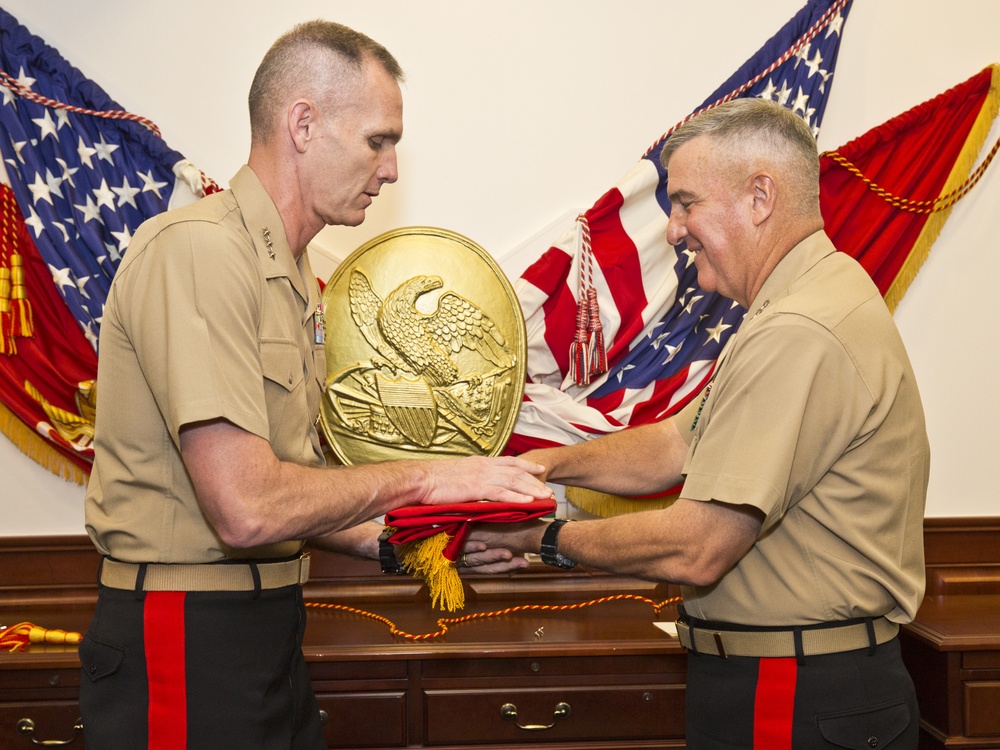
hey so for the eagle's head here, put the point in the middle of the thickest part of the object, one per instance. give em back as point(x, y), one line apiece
point(419, 285)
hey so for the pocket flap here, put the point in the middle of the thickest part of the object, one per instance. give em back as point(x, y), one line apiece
point(867, 729)
point(99, 659)
point(281, 363)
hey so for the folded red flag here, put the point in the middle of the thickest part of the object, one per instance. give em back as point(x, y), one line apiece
point(429, 539)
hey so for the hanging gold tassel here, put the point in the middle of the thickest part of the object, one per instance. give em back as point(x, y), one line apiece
point(15, 309)
point(6, 339)
point(22, 323)
point(425, 559)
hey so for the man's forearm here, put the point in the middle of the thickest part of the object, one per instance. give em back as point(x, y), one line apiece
point(638, 461)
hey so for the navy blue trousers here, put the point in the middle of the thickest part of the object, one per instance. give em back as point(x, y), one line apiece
point(198, 671)
point(860, 699)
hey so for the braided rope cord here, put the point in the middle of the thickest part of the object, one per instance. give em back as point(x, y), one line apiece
point(444, 622)
point(110, 114)
point(810, 34)
point(914, 206)
point(587, 262)
point(207, 183)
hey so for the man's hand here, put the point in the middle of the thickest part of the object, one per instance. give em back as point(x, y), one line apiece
point(519, 538)
point(505, 479)
point(478, 557)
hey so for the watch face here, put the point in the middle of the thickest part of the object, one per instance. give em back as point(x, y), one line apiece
point(425, 350)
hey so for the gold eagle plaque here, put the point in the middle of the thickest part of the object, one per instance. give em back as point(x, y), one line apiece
point(425, 350)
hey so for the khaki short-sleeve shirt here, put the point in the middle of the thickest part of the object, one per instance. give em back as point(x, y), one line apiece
point(814, 418)
point(209, 316)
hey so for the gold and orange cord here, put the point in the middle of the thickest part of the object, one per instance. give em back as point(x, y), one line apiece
point(19, 637)
point(444, 622)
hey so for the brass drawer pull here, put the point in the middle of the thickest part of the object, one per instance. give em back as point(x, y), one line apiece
point(27, 728)
point(509, 711)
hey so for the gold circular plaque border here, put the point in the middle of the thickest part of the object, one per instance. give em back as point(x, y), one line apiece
point(356, 368)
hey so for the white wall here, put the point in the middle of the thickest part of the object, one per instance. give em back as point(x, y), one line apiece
point(520, 112)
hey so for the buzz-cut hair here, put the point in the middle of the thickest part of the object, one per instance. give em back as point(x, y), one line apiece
point(293, 60)
point(755, 131)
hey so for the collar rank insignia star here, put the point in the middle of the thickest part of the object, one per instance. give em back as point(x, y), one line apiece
point(267, 241)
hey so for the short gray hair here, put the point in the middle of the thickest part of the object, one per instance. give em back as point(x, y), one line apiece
point(292, 60)
point(758, 132)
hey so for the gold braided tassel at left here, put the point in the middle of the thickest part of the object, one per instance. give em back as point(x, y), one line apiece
point(15, 308)
point(19, 637)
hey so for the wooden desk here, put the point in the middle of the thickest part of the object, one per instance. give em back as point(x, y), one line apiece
point(952, 651)
point(622, 678)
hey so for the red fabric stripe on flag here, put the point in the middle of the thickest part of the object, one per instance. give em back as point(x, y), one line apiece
point(163, 630)
point(774, 704)
point(550, 273)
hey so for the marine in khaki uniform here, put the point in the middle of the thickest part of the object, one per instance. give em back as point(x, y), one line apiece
point(797, 536)
point(208, 473)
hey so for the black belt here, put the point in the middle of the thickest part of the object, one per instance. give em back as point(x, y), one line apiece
point(250, 576)
point(786, 642)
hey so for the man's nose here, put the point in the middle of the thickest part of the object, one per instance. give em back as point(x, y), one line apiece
point(676, 231)
point(388, 170)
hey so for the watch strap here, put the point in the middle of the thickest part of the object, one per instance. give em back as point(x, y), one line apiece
point(387, 555)
point(550, 546)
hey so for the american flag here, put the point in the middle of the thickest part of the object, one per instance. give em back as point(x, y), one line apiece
point(84, 172)
point(662, 332)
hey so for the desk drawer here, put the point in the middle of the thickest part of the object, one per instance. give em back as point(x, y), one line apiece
point(589, 713)
point(373, 719)
point(982, 709)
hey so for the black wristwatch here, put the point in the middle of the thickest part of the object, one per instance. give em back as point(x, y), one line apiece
point(550, 547)
point(387, 555)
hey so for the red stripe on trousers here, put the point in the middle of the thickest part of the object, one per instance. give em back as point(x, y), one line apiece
point(774, 704)
point(163, 628)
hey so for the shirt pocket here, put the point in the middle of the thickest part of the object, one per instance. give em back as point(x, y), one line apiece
point(281, 363)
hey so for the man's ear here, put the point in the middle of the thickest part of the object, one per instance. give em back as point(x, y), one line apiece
point(765, 196)
point(301, 123)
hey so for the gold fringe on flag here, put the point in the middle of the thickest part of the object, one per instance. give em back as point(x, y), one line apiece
point(35, 447)
point(606, 505)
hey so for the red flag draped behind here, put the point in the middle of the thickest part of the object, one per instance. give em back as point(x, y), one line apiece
point(56, 429)
point(917, 156)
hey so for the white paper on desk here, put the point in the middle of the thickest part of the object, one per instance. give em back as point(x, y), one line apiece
point(670, 628)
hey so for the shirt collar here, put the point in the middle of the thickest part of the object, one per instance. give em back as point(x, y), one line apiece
point(267, 232)
point(796, 262)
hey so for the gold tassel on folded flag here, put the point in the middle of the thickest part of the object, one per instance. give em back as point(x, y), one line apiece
point(425, 559)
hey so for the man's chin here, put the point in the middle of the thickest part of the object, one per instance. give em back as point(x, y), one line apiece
point(353, 220)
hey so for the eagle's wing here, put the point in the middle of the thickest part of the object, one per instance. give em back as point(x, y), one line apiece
point(459, 323)
point(365, 304)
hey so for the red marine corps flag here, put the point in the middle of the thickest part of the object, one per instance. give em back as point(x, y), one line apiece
point(886, 194)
